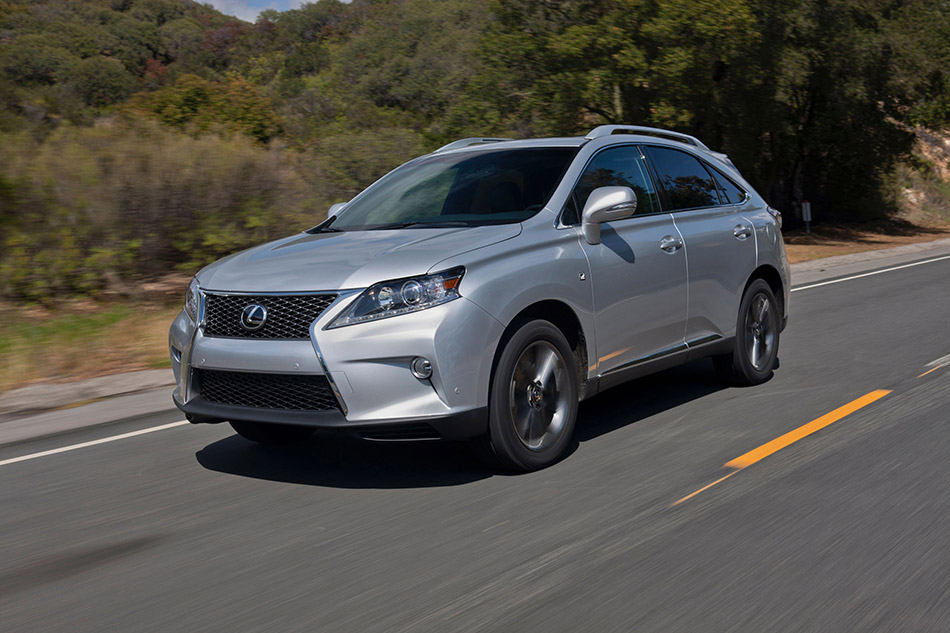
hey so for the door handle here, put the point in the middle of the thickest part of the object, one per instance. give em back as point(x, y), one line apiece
point(671, 244)
point(742, 231)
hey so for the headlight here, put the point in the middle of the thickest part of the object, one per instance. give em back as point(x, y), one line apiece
point(401, 296)
point(191, 300)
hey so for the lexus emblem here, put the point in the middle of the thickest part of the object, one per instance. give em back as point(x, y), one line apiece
point(253, 317)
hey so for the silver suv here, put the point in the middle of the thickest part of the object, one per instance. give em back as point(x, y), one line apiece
point(483, 290)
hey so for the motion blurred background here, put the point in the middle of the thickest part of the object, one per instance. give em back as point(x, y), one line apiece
point(142, 139)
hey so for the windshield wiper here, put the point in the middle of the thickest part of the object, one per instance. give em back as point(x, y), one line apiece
point(324, 227)
point(435, 225)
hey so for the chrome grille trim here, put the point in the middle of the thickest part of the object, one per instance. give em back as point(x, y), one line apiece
point(289, 315)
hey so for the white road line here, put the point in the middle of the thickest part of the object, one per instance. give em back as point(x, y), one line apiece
point(940, 362)
point(104, 440)
point(876, 272)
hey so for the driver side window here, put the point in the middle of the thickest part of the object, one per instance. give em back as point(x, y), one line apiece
point(615, 166)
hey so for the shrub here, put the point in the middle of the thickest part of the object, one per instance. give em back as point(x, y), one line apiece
point(130, 201)
point(196, 105)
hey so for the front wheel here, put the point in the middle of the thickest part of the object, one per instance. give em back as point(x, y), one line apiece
point(757, 336)
point(271, 434)
point(533, 402)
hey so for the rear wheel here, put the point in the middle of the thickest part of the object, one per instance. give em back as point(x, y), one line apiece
point(271, 434)
point(533, 403)
point(757, 336)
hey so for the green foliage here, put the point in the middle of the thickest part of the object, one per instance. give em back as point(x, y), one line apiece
point(87, 205)
point(196, 105)
point(403, 58)
point(236, 132)
point(133, 41)
point(101, 81)
point(182, 38)
point(823, 99)
point(919, 38)
point(614, 61)
point(32, 61)
point(352, 160)
point(42, 43)
point(802, 96)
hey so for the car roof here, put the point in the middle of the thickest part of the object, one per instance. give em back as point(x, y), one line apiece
point(661, 137)
point(482, 144)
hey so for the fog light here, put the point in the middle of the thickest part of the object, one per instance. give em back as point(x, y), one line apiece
point(421, 368)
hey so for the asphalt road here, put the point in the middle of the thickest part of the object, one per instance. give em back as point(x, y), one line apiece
point(848, 529)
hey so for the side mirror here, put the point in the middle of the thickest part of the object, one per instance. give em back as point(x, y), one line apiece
point(606, 204)
point(335, 209)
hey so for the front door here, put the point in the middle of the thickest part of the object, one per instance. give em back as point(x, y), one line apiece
point(638, 271)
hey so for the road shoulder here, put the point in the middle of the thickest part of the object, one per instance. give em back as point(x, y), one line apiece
point(819, 270)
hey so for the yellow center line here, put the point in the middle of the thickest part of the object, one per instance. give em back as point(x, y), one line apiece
point(760, 453)
point(706, 487)
point(930, 370)
point(791, 437)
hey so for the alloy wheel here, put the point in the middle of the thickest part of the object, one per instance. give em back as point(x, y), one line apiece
point(537, 397)
point(760, 332)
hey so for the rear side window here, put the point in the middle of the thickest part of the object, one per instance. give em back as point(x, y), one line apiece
point(728, 190)
point(687, 183)
point(620, 166)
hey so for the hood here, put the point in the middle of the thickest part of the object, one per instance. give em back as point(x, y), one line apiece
point(347, 260)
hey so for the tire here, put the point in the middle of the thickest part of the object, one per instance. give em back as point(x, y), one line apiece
point(755, 354)
point(533, 400)
point(271, 434)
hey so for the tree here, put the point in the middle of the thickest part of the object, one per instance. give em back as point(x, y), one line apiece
point(802, 95)
point(101, 81)
point(815, 116)
point(566, 65)
point(30, 60)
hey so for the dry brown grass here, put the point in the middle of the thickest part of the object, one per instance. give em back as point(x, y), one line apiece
point(828, 241)
point(82, 340)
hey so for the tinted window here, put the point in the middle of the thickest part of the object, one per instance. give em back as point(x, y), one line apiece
point(687, 183)
point(470, 188)
point(728, 191)
point(613, 167)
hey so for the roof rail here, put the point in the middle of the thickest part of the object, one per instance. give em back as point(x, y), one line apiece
point(465, 142)
point(607, 130)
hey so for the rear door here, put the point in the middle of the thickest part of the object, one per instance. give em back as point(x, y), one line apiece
point(638, 271)
point(720, 242)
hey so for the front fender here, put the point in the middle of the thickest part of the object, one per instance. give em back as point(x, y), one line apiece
point(541, 264)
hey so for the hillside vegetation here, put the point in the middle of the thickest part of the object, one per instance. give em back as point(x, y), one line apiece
point(145, 136)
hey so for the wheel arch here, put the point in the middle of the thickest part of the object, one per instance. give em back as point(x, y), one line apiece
point(770, 275)
point(563, 317)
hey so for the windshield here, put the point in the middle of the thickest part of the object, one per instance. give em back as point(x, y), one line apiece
point(494, 186)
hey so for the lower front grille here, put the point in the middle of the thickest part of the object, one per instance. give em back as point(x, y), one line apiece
point(292, 392)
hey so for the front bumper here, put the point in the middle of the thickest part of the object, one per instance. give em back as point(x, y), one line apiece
point(454, 426)
point(368, 366)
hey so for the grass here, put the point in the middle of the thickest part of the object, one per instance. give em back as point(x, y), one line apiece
point(85, 338)
point(81, 340)
point(831, 240)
